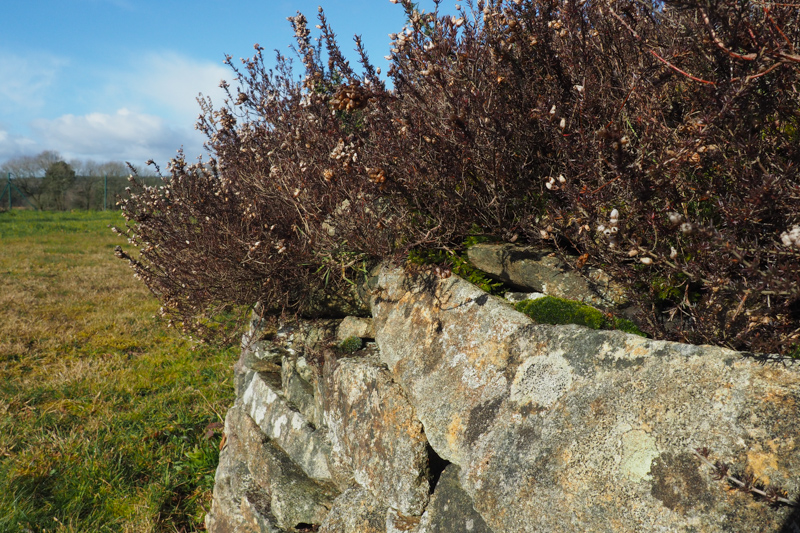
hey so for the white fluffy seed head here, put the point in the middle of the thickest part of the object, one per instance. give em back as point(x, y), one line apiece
point(686, 228)
point(791, 238)
point(614, 215)
point(675, 218)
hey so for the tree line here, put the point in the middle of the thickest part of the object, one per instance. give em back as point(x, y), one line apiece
point(46, 181)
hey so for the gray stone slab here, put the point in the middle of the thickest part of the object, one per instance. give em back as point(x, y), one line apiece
point(563, 428)
point(287, 428)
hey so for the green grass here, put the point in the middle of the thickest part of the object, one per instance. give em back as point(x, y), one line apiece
point(109, 421)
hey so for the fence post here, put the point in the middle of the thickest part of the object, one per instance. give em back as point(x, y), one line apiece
point(105, 192)
point(8, 186)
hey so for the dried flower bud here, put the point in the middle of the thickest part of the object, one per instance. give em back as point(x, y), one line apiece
point(614, 215)
point(791, 238)
point(673, 253)
point(646, 261)
point(687, 228)
point(675, 218)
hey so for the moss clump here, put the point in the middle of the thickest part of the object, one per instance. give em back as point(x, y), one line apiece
point(552, 310)
point(350, 345)
point(623, 324)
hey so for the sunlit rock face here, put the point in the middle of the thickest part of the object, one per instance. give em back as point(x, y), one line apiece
point(461, 414)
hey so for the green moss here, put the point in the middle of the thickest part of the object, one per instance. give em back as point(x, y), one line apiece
point(552, 310)
point(350, 344)
point(795, 352)
point(623, 324)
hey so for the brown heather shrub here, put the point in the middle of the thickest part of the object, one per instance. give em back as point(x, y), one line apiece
point(657, 140)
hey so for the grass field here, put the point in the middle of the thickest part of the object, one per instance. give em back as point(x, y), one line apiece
point(109, 421)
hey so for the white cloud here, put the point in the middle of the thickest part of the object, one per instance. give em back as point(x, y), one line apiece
point(172, 82)
point(12, 145)
point(143, 108)
point(25, 79)
point(124, 135)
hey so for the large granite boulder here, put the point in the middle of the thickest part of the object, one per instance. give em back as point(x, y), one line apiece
point(461, 414)
point(375, 435)
point(563, 428)
point(259, 488)
point(355, 511)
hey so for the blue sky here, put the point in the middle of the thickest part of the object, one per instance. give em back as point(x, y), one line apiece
point(118, 79)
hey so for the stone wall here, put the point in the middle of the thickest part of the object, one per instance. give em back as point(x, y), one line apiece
point(459, 414)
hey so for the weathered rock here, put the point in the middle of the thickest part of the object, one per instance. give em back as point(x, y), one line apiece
point(280, 356)
point(300, 391)
point(264, 351)
point(352, 326)
point(515, 297)
point(258, 488)
point(540, 270)
point(355, 511)
point(230, 511)
point(397, 522)
point(374, 433)
point(451, 510)
point(287, 428)
point(563, 428)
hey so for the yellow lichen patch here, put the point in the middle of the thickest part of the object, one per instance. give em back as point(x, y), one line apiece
point(454, 431)
point(785, 401)
point(637, 347)
point(566, 456)
point(761, 462)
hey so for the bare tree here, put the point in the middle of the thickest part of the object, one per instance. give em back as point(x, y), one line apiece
point(28, 172)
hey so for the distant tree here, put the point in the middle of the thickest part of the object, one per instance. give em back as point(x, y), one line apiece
point(85, 192)
point(28, 172)
point(58, 178)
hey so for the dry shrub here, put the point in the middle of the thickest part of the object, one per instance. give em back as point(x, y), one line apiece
point(658, 140)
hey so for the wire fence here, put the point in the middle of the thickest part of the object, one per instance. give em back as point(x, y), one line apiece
point(84, 192)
